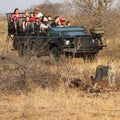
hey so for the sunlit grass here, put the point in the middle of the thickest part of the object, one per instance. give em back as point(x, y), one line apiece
point(35, 103)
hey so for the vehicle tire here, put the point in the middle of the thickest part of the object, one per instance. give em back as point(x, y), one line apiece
point(54, 54)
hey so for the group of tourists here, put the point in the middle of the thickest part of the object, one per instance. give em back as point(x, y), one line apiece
point(36, 22)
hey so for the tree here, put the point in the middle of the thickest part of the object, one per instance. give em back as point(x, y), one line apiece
point(53, 9)
point(92, 10)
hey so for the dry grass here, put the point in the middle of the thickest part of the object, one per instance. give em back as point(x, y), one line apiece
point(49, 105)
point(27, 100)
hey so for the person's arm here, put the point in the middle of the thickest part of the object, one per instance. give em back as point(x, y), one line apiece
point(12, 17)
point(23, 26)
point(20, 16)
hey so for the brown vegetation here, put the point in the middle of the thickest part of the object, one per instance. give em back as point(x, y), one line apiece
point(34, 89)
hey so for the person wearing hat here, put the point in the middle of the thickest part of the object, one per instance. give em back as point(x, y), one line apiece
point(44, 25)
point(59, 22)
point(35, 26)
point(62, 21)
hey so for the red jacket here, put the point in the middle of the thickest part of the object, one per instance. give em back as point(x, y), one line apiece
point(32, 19)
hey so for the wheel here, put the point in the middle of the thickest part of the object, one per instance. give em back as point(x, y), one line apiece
point(54, 54)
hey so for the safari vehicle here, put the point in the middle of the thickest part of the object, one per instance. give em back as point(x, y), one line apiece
point(69, 41)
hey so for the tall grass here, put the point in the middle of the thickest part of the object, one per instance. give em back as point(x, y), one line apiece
point(49, 105)
point(31, 100)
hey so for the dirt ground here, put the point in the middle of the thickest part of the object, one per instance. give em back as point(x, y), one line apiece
point(46, 105)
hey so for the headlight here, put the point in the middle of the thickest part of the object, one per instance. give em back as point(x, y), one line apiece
point(67, 42)
point(93, 40)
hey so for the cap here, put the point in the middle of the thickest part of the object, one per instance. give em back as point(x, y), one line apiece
point(62, 19)
point(40, 15)
point(45, 19)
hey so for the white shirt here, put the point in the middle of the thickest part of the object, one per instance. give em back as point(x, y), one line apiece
point(43, 27)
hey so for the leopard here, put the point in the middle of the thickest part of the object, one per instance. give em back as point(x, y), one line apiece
point(103, 71)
